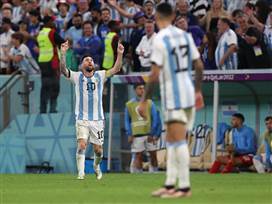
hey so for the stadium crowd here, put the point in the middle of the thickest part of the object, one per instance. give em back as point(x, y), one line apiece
point(229, 34)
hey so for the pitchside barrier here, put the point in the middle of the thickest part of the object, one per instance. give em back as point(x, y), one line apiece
point(225, 92)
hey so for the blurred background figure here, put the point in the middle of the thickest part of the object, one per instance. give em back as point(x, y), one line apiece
point(49, 40)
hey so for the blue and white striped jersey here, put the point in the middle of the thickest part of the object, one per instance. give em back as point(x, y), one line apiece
point(226, 40)
point(174, 50)
point(88, 95)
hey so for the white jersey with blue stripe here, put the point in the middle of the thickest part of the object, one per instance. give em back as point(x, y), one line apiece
point(88, 95)
point(227, 39)
point(174, 51)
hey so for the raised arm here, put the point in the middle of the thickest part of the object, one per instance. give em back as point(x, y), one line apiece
point(64, 47)
point(121, 11)
point(118, 63)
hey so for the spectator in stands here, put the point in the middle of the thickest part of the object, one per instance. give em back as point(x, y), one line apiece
point(20, 56)
point(45, 4)
point(199, 8)
point(183, 7)
point(103, 28)
point(75, 32)
point(128, 13)
point(141, 132)
point(240, 149)
point(226, 51)
point(213, 15)
point(34, 26)
point(197, 33)
point(16, 11)
point(263, 161)
point(252, 53)
point(6, 12)
point(48, 40)
point(135, 38)
point(149, 9)
point(5, 46)
point(266, 29)
point(143, 50)
point(33, 5)
point(89, 44)
point(63, 17)
point(208, 52)
point(96, 19)
point(29, 41)
point(111, 44)
point(83, 10)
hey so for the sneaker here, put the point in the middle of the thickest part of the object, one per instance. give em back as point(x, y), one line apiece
point(162, 191)
point(98, 172)
point(80, 177)
point(177, 194)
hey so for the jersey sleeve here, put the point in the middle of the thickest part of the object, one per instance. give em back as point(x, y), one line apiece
point(157, 52)
point(73, 76)
point(232, 39)
point(194, 51)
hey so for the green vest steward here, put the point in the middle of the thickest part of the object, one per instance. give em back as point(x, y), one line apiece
point(45, 45)
point(108, 60)
point(139, 125)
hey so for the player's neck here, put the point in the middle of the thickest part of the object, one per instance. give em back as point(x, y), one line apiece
point(164, 24)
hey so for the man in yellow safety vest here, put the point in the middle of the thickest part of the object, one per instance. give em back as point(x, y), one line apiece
point(48, 40)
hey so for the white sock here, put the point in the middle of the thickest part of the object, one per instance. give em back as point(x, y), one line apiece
point(80, 158)
point(183, 162)
point(97, 158)
point(171, 166)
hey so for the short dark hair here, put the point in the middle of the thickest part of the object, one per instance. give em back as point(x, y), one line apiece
point(113, 25)
point(34, 12)
point(83, 57)
point(87, 22)
point(18, 36)
point(6, 21)
point(165, 10)
point(138, 84)
point(226, 20)
point(77, 15)
point(239, 115)
point(105, 9)
point(149, 21)
point(267, 118)
point(236, 12)
point(98, 10)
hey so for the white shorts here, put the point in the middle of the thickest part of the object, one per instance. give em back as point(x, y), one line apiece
point(91, 131)
point(186, 116)
point(140, 144)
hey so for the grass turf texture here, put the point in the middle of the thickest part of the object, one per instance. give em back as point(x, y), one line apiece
point(129, 189)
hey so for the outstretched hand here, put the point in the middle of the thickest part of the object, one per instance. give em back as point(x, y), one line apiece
point(64, 47)
point(120, 48)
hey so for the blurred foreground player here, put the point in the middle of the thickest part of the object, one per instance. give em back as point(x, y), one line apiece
point(173, 56)
point(89, 111)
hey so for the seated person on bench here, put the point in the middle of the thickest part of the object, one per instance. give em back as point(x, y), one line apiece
point(240, 151)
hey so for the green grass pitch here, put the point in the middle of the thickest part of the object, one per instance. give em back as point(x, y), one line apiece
point(247, 188)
